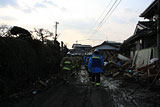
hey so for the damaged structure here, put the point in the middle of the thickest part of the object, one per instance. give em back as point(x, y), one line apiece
point(141, 48)
point(79, 49)
point(107, 48)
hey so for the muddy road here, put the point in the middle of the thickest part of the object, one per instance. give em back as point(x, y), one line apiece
point(80, 93)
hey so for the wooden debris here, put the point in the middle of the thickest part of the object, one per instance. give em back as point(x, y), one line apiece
point(127, 74)
point(115, 74)
point(43, 83)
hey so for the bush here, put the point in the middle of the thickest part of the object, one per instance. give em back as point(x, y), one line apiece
point(22, 62)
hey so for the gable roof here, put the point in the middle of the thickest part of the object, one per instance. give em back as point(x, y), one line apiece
point(151, 10)
point(143, 28)
point(81, 46)
point(105, 47)
point(108, 45)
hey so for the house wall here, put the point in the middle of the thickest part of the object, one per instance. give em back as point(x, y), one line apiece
point(143, 43)
point(139, 44)
point(150, 42)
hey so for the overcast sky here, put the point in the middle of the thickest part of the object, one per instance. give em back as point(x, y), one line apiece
point(78, 19)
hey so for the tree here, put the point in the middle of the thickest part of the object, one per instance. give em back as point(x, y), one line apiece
point(43, 34)
point(4, 30)
point(20, 32)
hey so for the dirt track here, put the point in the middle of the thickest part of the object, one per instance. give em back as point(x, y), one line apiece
point(80, 93)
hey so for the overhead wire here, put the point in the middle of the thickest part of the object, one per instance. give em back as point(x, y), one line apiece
point(108, 14)
point(111, 12)
point(92, 27)
point(106, 17)
point(94, 32)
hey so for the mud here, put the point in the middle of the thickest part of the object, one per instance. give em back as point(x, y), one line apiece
point(80, 93)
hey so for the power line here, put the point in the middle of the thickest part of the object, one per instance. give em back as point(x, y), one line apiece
point(100, 16)
point(107, 16)
point(103, 19)
point(111, 12)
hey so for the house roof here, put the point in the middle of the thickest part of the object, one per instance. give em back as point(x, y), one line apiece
point(74, 45)
point(151, 10)
point(111, 45)
point(84, 46)
point(81, 46)
point(106, 47)
point(143, 29)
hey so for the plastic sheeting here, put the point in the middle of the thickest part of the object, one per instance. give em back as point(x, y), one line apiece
point(123, 58)
point(143, 57)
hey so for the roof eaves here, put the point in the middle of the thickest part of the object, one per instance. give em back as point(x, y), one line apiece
point(151, 6)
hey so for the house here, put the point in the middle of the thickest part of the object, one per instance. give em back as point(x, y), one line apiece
point(143, 37)
point(151, 12)
point(107, 46)
point(79, 49)
point(142, 45)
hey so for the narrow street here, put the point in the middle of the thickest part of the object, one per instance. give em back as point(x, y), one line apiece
point(81, 94)
point(45, 42)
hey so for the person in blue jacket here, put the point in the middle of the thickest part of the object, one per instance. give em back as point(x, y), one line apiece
point(84, 59)
point(86, 65)
point(95, 66)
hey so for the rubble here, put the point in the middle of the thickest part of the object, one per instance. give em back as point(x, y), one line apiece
point(123, 68)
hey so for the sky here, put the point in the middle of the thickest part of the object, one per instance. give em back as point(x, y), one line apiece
point(78, 19)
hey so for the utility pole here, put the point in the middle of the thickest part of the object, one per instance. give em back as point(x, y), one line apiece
point(56, 30)
point(106, 38)
point(158, 30)
point(62, 46)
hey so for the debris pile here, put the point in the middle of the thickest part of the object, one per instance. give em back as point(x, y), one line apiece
point(125, 68)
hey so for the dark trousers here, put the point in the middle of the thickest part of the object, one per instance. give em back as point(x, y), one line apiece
point(90, 75)
point(66, 75)
point(96, 77)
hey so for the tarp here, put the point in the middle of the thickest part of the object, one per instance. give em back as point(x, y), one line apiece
point(123, 58)
point(142, 57)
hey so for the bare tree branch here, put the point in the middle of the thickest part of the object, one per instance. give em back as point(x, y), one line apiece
point(43, 34)
point(4, 30)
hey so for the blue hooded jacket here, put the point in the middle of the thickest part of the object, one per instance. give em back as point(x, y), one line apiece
point(87, 58)
point(96, 63)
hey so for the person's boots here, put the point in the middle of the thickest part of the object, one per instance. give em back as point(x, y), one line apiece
point(67, 82)
point(97, 84)
point(93, 84)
